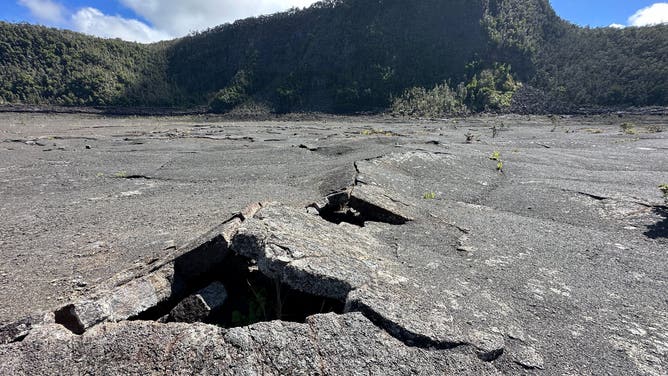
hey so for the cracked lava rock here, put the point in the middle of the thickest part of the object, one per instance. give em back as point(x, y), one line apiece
point(427, 260)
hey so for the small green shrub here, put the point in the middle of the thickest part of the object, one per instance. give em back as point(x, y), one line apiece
point(429, 196)
point(496, 156)
point(440, 101)
point(233, 95)
point(492, 89)
point(629, 128)
point(664, 190)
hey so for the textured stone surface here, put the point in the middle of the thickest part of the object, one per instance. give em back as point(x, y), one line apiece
point(554, 266)
point(197, 307)
point(326, 345)
point(308, 253)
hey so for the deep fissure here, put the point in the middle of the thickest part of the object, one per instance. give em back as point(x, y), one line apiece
point(343, 207)
point(251, 297)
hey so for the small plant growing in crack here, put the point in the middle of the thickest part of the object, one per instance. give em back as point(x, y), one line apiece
point(555, 123)
point(429, 196)
point(496, 156)
point(629, 128)
point(377, 132)
point(121, 174)
point(664, 190)
point(256, 308)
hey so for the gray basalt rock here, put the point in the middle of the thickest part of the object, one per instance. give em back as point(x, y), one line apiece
point(121, 303)
point(555, 266)
point(198, 307)
point(325, 345)
point(308, 253)
point(379, 206)
point(18, 330)
point(528, 357)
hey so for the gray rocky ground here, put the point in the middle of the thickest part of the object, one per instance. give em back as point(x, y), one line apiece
point(333, 245)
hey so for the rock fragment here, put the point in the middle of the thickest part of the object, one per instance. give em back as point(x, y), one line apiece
point(489, 346)
point(306, 252)
point(121, 303)
point(528, 358)
point(198, 307)
point(377, 205)
point(18, 330)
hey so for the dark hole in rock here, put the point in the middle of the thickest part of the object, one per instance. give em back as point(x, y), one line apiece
point(192, 271)
point(335, 209)
point(374, 213)
point(341, 207)
point(67, 318)
point(251, 297)
point(340, 215)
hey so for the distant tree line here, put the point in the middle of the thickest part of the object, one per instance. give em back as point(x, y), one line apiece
point(347, 56)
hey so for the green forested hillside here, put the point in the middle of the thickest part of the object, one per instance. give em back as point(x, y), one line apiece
point(347, 56)
point(339, 56)
point(606, 66)
point(43, 65)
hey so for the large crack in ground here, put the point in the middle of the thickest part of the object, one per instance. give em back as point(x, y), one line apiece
point(247, 288)
point(250, 270)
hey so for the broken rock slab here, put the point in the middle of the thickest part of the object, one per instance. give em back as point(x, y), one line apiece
point(377, 205)
point(198, 307)
point(364, 203)
point(121, 303)
point(136, 291)
point(308, 253)
point(350, 264)
point(18, 330)
point(130, 295)
point(527, 357)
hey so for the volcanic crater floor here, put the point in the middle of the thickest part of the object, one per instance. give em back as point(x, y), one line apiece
point(482, 246)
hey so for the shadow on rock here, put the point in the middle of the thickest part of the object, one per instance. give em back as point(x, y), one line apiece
point(660, 228)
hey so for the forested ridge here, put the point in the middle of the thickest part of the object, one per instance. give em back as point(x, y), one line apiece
point(351, 55)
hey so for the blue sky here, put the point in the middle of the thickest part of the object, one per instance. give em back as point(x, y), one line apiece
point(597, 13)
point(151, 20)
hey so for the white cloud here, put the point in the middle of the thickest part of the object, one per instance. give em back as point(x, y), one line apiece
point(654, 14)
point(167, 18)
point(617, 26)
point(180, 17)
point(45, 10)
point(92, 21)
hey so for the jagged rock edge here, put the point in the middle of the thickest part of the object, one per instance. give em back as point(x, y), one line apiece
point(392, 328)
point(282, 271)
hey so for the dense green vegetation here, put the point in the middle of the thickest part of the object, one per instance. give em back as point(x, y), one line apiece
point(420, 57)
point(42, 65)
